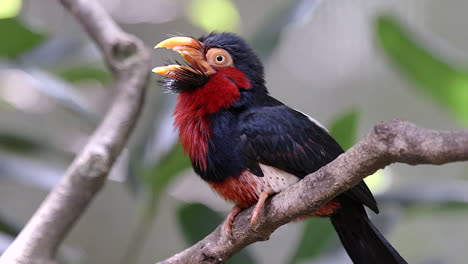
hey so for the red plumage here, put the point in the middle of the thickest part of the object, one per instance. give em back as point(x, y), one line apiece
point(238, 77)
point(245, 189)
point(193, 107)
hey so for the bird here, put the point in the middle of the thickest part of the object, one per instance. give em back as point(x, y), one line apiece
point(248, 146)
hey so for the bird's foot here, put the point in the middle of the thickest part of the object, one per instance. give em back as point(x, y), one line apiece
point(258, 209)
point(253, 218)
point(230, 220)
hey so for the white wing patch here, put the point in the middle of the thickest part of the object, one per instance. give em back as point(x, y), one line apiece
point(275, 179)
point(313, 120)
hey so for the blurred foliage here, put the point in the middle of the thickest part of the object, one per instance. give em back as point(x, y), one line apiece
point(10, 8)
point(197, 221)
point(17, 143)
point(5, 105)
point(267, 37)
point(79, 73)
point(317, 236)
point(8, 230)
point(344, 128)
point(158, 177)
point(442, 207)
point(378, 182)
point(155, 180)
point(7, 227)
point(265, 40)
point(214, 15)
point(19, 40)
point(446, 84)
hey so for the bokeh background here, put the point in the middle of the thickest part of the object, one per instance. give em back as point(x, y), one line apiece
point(349, 64)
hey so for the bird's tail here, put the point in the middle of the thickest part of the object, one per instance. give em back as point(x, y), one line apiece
point(360, 238)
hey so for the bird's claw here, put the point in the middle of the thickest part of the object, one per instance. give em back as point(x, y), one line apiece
point(254, 220)
point(230, 220)
point(257, 210)
point(228, 230)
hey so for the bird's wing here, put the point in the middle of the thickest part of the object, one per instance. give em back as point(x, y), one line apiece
point(288, 140)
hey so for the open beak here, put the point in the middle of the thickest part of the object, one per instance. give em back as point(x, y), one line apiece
point(191, 50)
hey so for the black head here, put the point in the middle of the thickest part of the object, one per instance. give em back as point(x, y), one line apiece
point(242, 54)
point(201, 62)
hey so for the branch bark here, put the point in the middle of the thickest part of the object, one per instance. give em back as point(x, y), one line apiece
point(129, 60)
point(389, 142)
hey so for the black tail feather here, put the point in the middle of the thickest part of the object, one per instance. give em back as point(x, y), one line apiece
point(360, 238)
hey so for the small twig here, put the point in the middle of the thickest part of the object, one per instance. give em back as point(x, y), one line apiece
point(388, 142)
point(128, 59)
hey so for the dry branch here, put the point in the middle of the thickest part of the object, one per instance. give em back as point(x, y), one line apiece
point(128, 59)
point(388, 142)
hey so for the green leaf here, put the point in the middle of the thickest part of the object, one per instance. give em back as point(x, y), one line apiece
point(7, 227)
point(159, 176)
point(197, 221)
point(450, 207)
point(344, 129)
point(10, 8)
point(318, 235)
point(80, 73)
point(379, 181)
point(446, 84)
point(16, 38)
point(155, 180)
point(214, 15)
point(5, 105)
point(19, 144)
point(418, 208)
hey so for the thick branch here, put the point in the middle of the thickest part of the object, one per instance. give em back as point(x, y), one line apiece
point(389, 142)
point(129, 61)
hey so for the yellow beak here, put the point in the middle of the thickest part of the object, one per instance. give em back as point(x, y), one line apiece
point(191, 50)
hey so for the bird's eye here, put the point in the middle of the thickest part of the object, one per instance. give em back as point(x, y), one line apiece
point(219, 57)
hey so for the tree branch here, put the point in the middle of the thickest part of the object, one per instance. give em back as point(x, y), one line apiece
point(128, 59)
point(388, 142)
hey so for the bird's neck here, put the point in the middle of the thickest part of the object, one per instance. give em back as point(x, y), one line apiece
point(192, 114)
point(194, 108)
point(194, 130)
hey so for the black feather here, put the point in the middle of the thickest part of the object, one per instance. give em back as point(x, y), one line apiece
point(187, 78)
point(360, 238)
